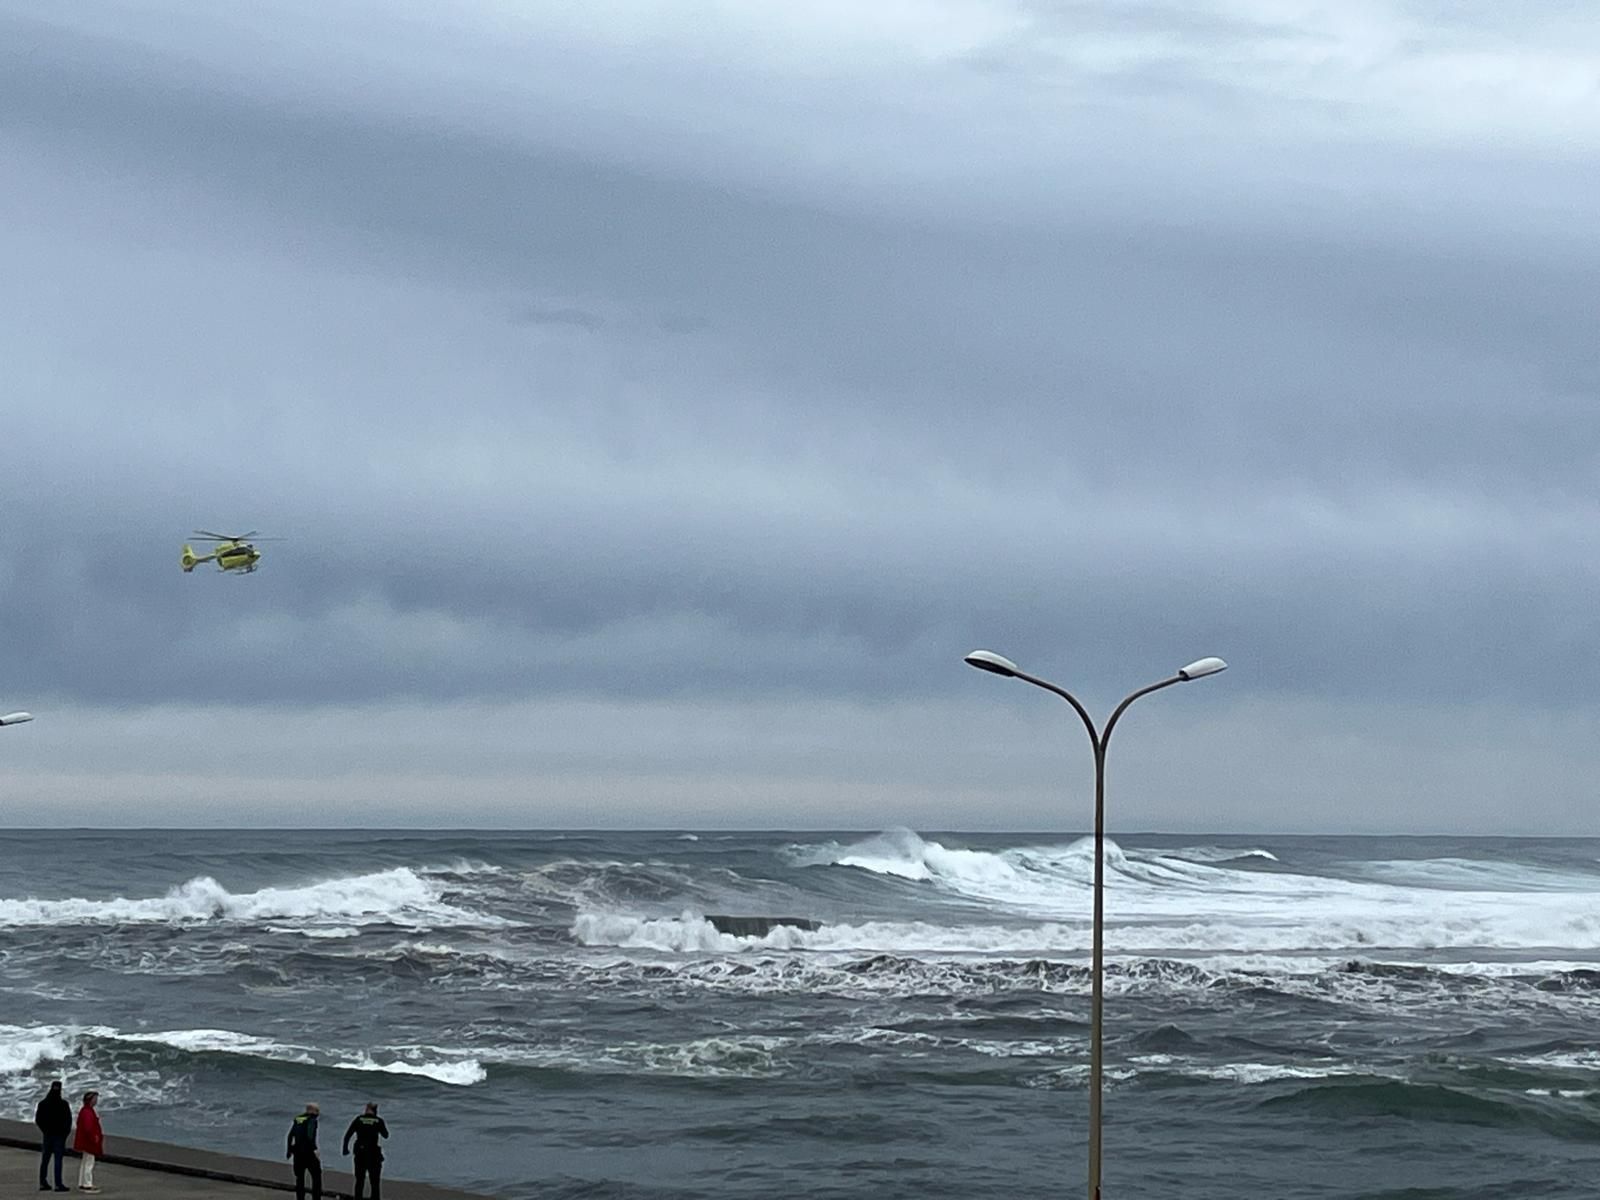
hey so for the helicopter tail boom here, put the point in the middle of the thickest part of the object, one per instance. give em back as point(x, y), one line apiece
point(190, 559)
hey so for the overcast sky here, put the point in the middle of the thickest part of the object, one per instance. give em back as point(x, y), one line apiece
point(659, 399)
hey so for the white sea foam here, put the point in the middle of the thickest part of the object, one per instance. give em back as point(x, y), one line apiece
point(199, 1041)
point(1256, 1072)
point(320, 932)
point(1021, 1047)
point(461, 1072)
point(398, 895)
point(744, 1056)
point(23, 1048)
point(1568, 1060)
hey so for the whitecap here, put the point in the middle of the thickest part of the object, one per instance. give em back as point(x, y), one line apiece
point(23, 1048)
point(461, 1072)
point(398, 895)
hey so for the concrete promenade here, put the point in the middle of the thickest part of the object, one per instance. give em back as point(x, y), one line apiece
point(145, 1170)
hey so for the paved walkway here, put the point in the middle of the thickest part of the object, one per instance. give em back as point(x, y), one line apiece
point(19, 1176)
point(144, 1170)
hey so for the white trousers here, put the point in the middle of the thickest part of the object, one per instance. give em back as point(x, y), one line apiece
point(86, 1171)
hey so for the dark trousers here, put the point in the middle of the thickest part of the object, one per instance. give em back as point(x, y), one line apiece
point(55, 1144)
point(308, 1166)
point(369, 1168)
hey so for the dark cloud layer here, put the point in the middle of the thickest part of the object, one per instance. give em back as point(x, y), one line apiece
point(565, 384)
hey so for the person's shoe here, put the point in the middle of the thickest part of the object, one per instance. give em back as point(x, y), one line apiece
point(90, 1188)
point(61, 1187)
point(44, 1187)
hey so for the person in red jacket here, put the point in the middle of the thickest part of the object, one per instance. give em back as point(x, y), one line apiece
point(88, 1141)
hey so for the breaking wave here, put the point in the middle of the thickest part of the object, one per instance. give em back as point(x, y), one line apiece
point(1039, 880)
point(25, 1049)
point(400, 896)
point(1220, 854)
point(1330, 937)
point(460, 1072)
point(1194, 900)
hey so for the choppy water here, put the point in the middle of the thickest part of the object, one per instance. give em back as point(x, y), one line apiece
point(551, 1015)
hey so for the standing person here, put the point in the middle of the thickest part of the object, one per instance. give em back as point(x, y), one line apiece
point(88, 1141)
point(54, 1119)
point(303, 1150)
point(367, 1129)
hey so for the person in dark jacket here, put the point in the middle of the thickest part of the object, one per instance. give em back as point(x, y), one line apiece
point(303, 1152)
point(367, 1129)
point(54, 1119)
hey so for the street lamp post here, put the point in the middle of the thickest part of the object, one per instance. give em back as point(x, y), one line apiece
point(988, 660)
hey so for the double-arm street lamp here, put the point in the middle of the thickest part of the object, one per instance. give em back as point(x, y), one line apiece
point(987, 660)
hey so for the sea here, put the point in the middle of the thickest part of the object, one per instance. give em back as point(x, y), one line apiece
point(556, 1015)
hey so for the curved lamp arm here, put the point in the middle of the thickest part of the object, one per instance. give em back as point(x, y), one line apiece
point(999, 664)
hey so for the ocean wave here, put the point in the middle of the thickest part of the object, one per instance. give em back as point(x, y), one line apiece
point(1217, 854)
point(1250, 1073)
point(320, 932)
point(1361, 931)
point(579, 882)
point(692, 933)
point(25, 1049)
point(399, 895)
point(461, 1072)
point(206, 1041)
point(1210, 898)
point(1052, 880)
point(26, 1053)
point(904, 854)
point(1476, 875)
point(1364, 1097)
point(1314, 984)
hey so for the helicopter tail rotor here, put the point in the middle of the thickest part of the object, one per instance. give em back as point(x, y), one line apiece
point(190, 559)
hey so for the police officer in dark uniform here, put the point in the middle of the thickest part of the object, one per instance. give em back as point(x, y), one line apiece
point(367, 1129)
point(303, 1151)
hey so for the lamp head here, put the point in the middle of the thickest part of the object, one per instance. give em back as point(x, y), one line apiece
point(16, 718)
point(988, 660)
point(1200, 668)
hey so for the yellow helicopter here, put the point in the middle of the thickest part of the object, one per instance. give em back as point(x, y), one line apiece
point(232, 552)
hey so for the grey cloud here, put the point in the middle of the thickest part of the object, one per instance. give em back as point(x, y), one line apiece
point(548, 426)
point(537, 314)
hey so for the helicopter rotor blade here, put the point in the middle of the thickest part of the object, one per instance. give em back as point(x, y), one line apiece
point(208, 536)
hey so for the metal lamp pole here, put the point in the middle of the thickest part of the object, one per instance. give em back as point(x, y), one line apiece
point(987, 660)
